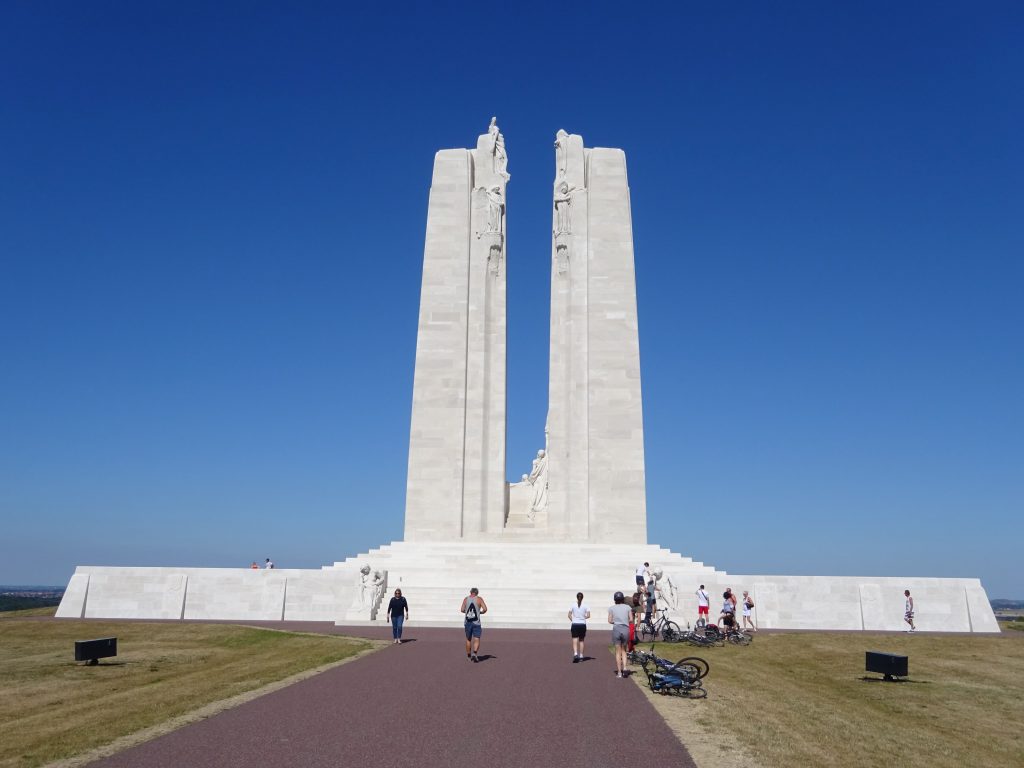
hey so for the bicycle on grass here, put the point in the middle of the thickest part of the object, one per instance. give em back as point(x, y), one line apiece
point(648, 631)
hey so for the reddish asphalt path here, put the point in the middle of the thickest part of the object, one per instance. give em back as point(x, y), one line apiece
point(423, 704)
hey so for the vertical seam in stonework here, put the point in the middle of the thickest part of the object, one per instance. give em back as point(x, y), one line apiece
point(465, 368)
point(586, 340)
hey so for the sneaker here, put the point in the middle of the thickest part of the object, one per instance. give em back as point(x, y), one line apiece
point(618, 674)
point(575, 659)
point(399, 641)
point(469, 656)
point(475, 659)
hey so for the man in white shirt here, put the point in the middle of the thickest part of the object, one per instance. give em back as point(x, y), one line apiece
point(702, 605)
point(641, 577)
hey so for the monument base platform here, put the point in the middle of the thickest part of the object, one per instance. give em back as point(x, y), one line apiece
point(528, 585)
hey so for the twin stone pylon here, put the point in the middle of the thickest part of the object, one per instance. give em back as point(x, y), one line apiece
point(589, 485)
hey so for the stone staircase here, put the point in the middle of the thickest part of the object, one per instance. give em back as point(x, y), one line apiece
point(524, 585)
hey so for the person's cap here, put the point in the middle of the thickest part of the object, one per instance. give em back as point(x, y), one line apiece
point(618, 596)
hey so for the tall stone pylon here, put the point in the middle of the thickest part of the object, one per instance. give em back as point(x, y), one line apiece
point(595, 450)
point(456, 485)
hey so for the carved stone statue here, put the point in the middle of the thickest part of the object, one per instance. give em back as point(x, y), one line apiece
point(539, 479)
point(563, 208)
point(495, 209)
point(371, 586)
point(665, 589)
point(498, 148)
point(561, 162)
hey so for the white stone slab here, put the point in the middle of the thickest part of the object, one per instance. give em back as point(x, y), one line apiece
point(135, 593)
point(72, 604)
point(236, 594)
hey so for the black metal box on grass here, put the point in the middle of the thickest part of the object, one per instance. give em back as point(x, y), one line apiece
point(92, 650)
point(889, 664)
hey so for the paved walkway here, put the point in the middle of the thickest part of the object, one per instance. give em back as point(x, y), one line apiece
point(424, 704)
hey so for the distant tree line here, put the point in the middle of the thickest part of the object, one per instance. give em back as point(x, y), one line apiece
point(20, 602)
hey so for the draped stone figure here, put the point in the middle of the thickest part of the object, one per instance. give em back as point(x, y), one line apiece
point(560, 153)
point(495, 209)
point(563, 208)
point(539, 479)
point(498, 145)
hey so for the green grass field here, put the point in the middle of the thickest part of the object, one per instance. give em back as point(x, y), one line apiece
point(54, 708)
point(801, 699)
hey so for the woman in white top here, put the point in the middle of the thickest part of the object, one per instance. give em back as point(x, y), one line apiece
point(578, 615)
point(748, 605)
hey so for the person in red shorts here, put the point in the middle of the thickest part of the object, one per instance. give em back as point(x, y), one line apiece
point(702, 605)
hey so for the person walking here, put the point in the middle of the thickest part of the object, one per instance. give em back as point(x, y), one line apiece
point(703, 603)
point(398, 613)
point(618, 617)
point(578, 615)
point(908, 610)
point(473, 606)
point(748, 605)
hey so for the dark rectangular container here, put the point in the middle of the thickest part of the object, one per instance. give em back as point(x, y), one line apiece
point(888, 664)
point(90, 650)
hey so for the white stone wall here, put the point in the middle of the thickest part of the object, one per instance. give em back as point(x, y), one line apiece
point(434, 486)
point(241, 594)
point(525, 585)
point(596, 451)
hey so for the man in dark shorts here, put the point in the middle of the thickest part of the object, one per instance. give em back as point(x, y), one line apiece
point(473, 606)
point(641, 572)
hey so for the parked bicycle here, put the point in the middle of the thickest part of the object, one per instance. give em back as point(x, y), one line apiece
point(682, 678)
point(724, 633)
point(648, 631)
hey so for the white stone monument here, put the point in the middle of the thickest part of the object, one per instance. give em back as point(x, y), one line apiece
point(581, 510)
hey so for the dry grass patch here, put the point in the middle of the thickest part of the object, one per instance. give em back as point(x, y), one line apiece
point(54, 708)
point(801, 699)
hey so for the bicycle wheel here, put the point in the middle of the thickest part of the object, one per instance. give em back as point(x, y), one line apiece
point(698, 663)
point(738, 638)
point(644, 632)
point(695, 692)
point(670, 632)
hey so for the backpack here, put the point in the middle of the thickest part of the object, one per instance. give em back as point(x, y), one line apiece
point(471, 612)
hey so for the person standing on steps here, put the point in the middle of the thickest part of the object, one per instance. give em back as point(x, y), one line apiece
point(398, 614)
point(908, 610)
point(473, 606)
point(641, 573)
point(618, 617)
point(578, 615)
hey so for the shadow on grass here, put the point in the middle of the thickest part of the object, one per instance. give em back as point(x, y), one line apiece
point(894, 680)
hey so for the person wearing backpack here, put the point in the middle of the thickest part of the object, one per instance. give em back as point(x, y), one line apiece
point(748, 606)
point(473, 606)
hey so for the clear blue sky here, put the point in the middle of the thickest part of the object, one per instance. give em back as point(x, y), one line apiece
point(211, 233)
